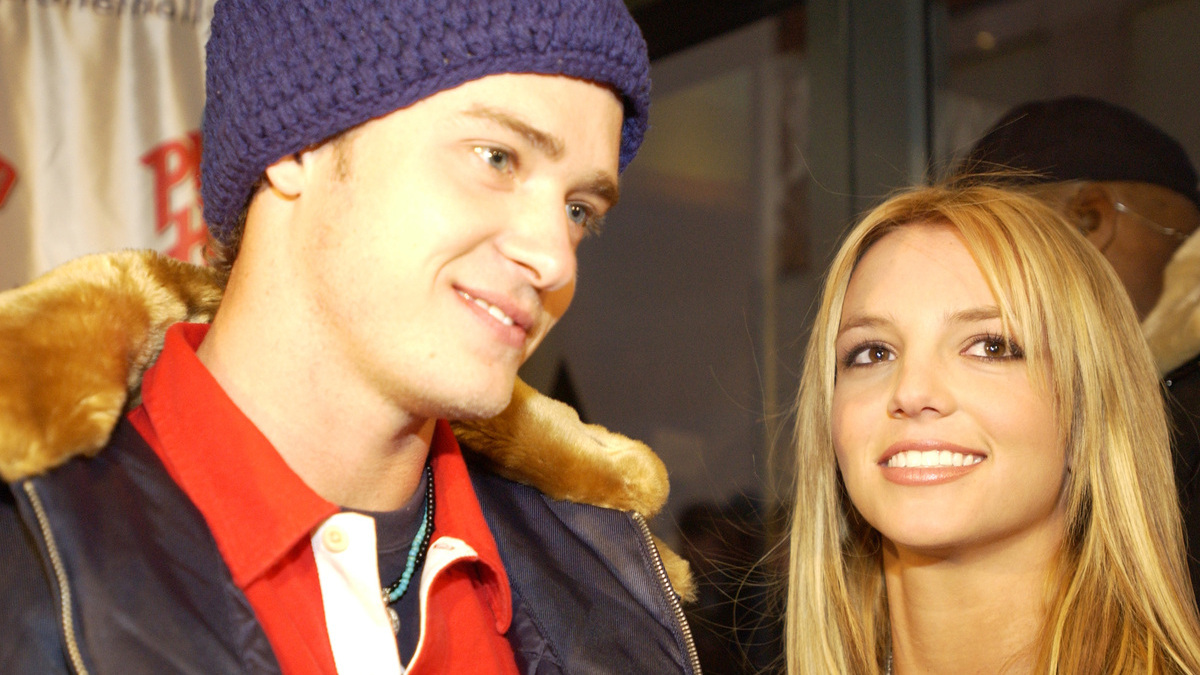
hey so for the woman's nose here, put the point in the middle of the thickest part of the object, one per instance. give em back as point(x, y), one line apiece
point(919, 388)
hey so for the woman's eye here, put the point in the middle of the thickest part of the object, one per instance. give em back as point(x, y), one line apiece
point(994, 347)
point(865, 356)
point(496, 158)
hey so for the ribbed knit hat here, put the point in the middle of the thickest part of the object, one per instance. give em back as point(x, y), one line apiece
point(283, 75)
point(1082, 138)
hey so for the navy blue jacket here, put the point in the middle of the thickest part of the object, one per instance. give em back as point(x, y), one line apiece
point(109, 568)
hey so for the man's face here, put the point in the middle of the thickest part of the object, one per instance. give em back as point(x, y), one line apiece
point(439, 242)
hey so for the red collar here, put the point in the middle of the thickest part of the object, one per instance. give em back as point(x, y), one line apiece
point(257, 508)
point(464, 520)
point(255, 505)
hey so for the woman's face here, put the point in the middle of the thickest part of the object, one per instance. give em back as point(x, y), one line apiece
point(945, 444)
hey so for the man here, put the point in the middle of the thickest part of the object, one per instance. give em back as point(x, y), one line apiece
point(398, 189)
point(1132, 191)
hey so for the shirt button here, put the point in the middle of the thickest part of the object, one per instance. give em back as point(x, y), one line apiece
point(334, 539)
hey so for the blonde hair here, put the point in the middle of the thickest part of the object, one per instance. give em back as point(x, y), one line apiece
point(1120, 600)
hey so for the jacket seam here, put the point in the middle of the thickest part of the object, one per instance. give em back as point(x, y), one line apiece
point(540, 625)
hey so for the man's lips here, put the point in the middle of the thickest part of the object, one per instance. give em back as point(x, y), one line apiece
point(504, 310)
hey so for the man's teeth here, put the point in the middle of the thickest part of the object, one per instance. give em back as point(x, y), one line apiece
point(932, 458)
point(488, 307)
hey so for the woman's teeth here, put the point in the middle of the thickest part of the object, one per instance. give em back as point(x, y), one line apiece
point(921, 458)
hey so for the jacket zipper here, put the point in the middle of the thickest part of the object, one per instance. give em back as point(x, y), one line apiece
point(68, 624)
point(664, 583)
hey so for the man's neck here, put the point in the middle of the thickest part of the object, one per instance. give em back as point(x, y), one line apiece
point(355, 451)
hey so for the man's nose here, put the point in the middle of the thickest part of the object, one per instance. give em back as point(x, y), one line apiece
point(541, 240)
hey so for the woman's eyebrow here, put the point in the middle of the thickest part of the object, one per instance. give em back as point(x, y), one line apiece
point(860, 321)
point(547, 143)
point(971, 315)
point(974, 314)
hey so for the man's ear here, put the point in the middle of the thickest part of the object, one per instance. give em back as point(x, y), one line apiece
point(287, 176)
point(1091, 209)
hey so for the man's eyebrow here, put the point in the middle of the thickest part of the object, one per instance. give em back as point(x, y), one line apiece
point(603, 186)
point(550, 145)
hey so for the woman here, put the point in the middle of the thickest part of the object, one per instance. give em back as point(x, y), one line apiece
point(984, 477)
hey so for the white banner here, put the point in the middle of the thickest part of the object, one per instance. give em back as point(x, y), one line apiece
point(100, 106)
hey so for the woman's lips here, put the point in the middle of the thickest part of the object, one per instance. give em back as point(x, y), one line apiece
point(928, 462)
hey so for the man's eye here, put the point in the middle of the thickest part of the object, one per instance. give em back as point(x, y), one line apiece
point(496, 158)
point(579, 214)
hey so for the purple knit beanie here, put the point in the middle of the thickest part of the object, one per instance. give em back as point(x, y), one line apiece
point(285, 74)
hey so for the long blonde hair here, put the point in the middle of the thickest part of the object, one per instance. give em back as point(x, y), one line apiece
point(1120, 600)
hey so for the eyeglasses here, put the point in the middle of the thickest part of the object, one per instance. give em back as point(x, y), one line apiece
point(1090, 227)
point(1171, 232)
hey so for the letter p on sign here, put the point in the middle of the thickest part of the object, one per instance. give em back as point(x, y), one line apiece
point(8, 178)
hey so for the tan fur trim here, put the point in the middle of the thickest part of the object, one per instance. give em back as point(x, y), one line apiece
point(1173, 327)
point(542, 442)
point(73, 342)
point(678, 571)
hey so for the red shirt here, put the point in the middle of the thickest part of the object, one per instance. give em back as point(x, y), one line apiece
point(262, 516)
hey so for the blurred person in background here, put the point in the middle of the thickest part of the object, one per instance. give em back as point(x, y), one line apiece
point(1132, 190)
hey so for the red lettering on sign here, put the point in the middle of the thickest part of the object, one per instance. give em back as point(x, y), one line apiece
point(177, 208)
point(8, 178)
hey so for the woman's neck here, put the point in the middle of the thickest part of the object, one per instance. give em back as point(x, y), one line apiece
point(982, 613)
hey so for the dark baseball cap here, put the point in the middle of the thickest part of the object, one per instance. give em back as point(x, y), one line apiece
point(1080, 138)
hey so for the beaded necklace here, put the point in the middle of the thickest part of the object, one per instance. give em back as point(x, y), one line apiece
point(416, 555)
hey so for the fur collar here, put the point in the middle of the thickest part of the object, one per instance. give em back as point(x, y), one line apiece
point(1173, 327)
point(75, 342)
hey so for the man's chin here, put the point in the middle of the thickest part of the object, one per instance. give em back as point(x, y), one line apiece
point(478, 405)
